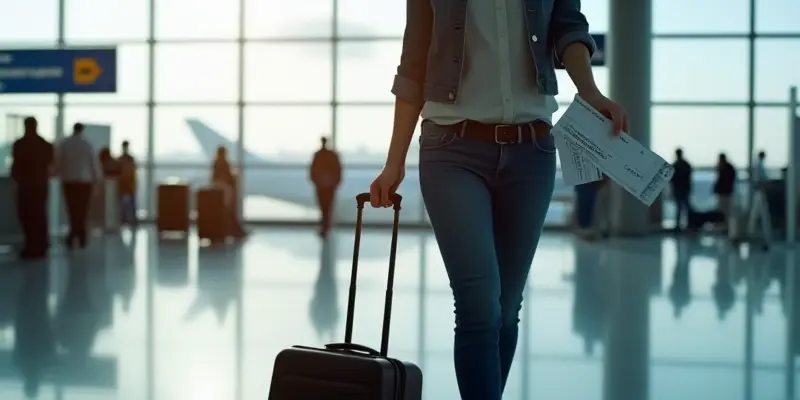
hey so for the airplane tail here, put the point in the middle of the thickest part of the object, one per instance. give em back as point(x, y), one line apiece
point(210, 140)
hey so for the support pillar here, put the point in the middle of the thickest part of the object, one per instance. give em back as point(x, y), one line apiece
point(626, 361)
point(791, 169)
point(629, 63)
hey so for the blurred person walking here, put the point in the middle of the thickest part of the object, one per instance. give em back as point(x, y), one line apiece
point(681, 188)
point(725, 186)
point(127, 186)
point(31, 169)
point(326, 175)
point(79, 169)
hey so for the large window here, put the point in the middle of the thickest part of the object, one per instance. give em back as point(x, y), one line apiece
point(192, 135)
point(29, 21)
point(702, 133)
point(188, 19)
point(142, 191)
point(673, 16)
point(357, 179)
point(596, 12)
point(27, 99)
point(366, 70)
point(288, 19)
point(567, 90)
point(364, 133)
point(106, 21)
point(132, 79)
point(127, 123)
point(777, 68)
point(365, 18)
point(191, 73)
point(772, 134)
point(288, 72)
point(13, 117)
point(284, 135)
point(700, 70)
point(284, 193)
point(278, 193)
point(777, 16)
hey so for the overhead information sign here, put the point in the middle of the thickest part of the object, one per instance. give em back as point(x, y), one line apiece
point(58, 71)
point(599, 56)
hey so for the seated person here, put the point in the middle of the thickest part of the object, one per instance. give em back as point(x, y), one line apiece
point(223, 176)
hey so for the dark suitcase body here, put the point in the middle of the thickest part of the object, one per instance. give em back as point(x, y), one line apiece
point(348, 371)
point(211, 214)
point(173, 208)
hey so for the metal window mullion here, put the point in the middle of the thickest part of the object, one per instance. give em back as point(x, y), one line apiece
point(55, 198)
point(240, 109)
point(334, 72)
point(151, 85)
point(751, 89)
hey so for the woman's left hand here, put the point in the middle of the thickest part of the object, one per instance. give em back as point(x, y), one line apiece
point(610, 109)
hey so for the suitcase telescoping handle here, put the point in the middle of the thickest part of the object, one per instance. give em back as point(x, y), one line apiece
point(362, 199)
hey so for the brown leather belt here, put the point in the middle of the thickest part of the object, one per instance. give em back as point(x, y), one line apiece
point(500, 133)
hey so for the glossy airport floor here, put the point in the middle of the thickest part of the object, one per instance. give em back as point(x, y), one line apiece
point(136, 318)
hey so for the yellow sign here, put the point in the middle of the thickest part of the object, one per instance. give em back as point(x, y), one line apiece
point(85, 71)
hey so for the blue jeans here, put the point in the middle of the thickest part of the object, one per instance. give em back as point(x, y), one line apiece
point(128, 209)
point(585, 197)
point(487, 203)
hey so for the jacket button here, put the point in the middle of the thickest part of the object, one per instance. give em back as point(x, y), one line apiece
point(535, 38)
point(451, 96)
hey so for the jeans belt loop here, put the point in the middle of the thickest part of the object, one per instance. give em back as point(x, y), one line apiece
point(533, 134)
point(462, 130)
point(519, 133)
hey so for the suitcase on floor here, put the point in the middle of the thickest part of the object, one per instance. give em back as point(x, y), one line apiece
point(172, 208)
point(348, 371)
point(212, 222)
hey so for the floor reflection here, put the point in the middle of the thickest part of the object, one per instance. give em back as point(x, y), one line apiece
point(134, 317)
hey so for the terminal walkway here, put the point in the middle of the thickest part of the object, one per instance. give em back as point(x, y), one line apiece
point(136, 318)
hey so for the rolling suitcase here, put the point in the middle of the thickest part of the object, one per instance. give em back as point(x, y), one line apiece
point(348, 371)
point(173, 208)
point(212, 221)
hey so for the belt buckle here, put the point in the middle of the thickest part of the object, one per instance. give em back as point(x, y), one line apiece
point(499, 129)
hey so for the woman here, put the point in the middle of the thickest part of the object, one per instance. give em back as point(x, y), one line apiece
point(487, 161)
point(223, 176)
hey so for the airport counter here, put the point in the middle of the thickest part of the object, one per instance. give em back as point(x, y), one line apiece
point(10, 229)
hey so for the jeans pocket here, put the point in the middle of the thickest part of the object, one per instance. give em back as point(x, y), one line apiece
point(434, 136)
point(546, 144)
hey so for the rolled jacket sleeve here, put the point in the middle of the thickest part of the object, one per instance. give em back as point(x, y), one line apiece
point(410, 79)
point(568, 25)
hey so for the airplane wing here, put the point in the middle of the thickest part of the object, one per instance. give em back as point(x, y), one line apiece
point(210, 140)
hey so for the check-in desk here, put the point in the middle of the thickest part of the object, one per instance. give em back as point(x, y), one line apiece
point(10, 229)
point(104, 210)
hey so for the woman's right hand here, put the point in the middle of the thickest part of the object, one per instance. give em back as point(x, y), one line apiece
point(386, 185)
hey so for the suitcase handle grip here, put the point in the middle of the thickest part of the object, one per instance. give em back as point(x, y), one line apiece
point(352, 347)
point(361, 199)
point(364, 198)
